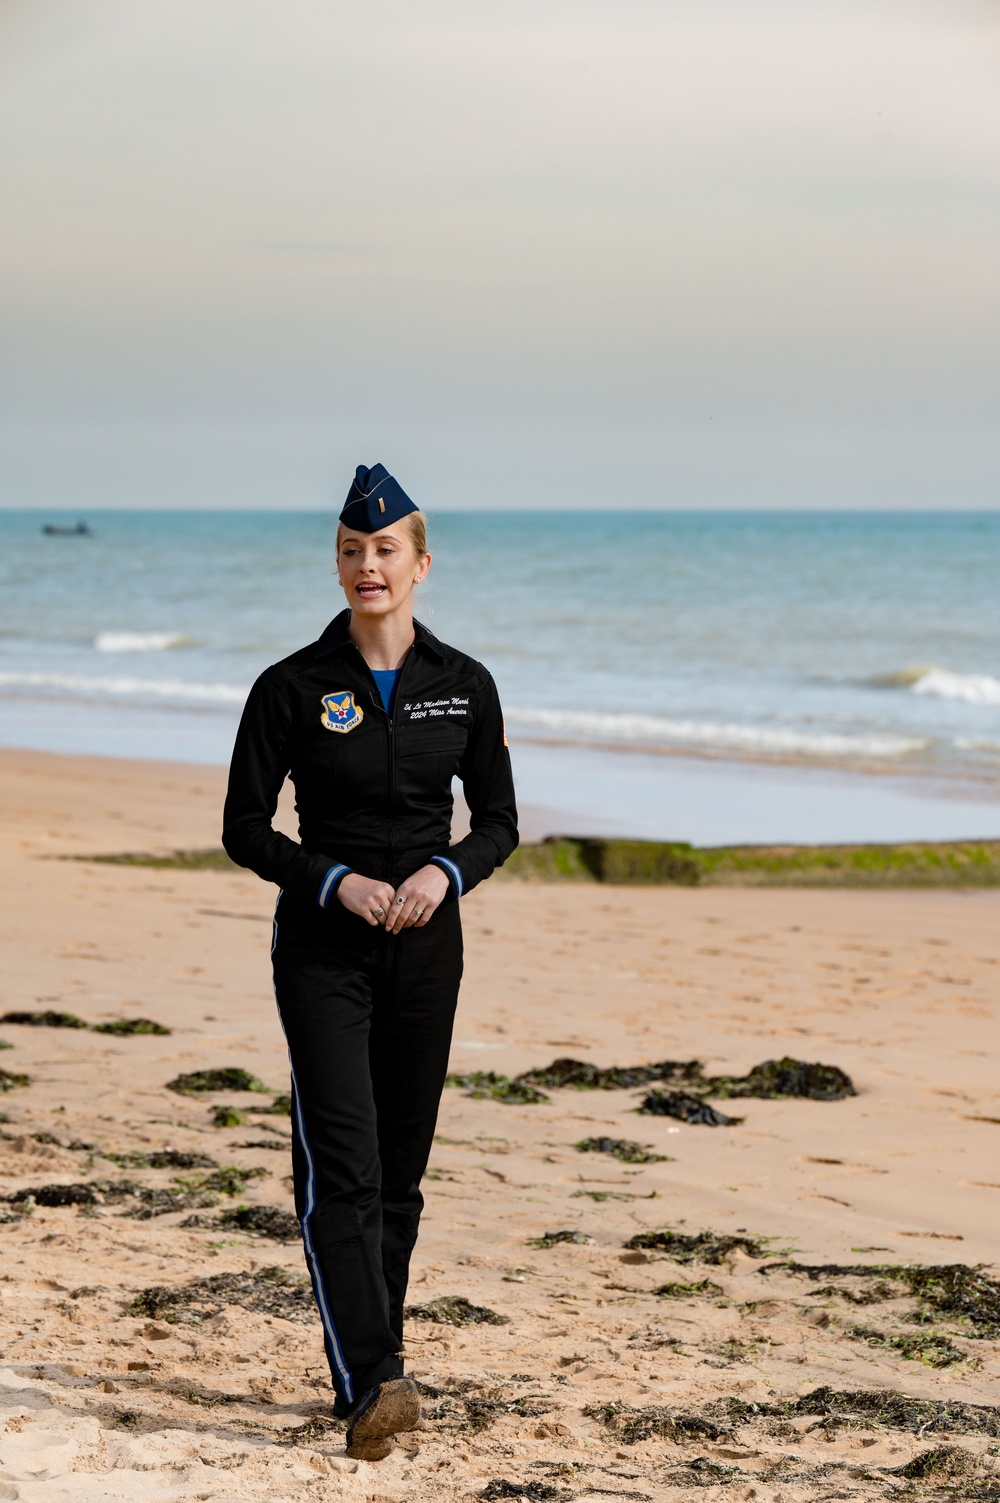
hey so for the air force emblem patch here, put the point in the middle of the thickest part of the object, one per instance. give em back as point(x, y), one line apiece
point(340, 713)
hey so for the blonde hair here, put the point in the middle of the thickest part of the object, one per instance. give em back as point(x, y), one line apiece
point(416, 525)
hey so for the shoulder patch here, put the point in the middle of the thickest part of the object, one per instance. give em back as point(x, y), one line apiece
point(340, 713)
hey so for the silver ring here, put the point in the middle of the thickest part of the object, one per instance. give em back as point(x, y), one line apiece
point(378, 913)
point(420, 913)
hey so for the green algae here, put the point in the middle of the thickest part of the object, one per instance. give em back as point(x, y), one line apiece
point(630, 1425)
point(166, 1158)
point(227, 1116)
point(48, 1019)
point(689, 1291)
point(864, 1408)
point(132, 1027)
point(553, 1239)
point(486, 1085)
point(266, 1291)
point(228, 1078)
point(711, 1248)
point(583, 1076)
point(455, 1310)
point(12, 1080)
point(933, 1350)
point(955, 1289)
point(622, 1149)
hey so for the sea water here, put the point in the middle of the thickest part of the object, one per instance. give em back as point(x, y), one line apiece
point(711, 676)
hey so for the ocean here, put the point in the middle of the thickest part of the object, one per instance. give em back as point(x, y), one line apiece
point(712, 676)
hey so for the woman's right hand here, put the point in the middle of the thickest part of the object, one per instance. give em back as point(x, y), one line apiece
point(369, 899)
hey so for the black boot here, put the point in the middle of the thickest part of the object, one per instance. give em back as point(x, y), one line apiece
point(379, 1414)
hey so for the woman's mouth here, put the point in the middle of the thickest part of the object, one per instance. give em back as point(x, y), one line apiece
point(369, 590)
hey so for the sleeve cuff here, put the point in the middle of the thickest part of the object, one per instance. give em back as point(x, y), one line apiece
point(330, 883)
point(453, 872)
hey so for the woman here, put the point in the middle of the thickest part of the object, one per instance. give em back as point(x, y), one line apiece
point(371, 723)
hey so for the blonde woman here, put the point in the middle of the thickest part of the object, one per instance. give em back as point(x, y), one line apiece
point(371, 723)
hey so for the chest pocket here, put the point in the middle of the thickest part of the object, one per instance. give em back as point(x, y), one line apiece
point(430, 754)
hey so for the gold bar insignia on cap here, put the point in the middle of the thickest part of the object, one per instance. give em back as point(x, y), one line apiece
point(381, 504)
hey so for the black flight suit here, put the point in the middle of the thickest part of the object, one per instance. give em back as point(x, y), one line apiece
point(367, 1015)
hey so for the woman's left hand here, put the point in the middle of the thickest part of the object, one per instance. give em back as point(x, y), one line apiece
point(417, 898)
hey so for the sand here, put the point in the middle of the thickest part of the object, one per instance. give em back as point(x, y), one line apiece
point(899, 989)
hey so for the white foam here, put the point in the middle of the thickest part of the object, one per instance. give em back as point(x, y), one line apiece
point(185, 690)
point(723, 736)
point(971, 688)
point(140, 641)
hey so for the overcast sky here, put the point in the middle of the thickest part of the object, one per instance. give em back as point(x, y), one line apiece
point(524, 252)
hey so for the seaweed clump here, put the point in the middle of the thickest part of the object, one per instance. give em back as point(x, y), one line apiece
point(942, 1464)
point(785, 1077)
point(537, 1492)
point(485, 1085)
point(166, 1158)
point(263, 1221)
point(128, 1027)
point(10, 1080)
point(586, 1077)
point(633, 1425)
point(686, 1108)
point(933, 1350)
point(227, 1116)
point(59, 1195)
point(229, 1078)
point(268, 1291)
point(622, 1149)
point(711, 1248)
point(688, 1291)
point(44, 1019)
point(552, 1239)
point(950, 1288)
point(455, 1310)
point(883, 1407)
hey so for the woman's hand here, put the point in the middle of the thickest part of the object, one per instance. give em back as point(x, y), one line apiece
point(369, 899)
point(416, 899)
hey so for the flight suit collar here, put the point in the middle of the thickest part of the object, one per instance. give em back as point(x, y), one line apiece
point(337, 636)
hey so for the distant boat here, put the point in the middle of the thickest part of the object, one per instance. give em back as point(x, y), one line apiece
point(81, 530)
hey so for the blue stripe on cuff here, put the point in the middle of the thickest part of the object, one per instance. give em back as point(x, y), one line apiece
point(329, 882)
point(453, 872)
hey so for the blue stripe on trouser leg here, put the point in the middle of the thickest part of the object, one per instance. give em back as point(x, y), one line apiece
point(315, 1273)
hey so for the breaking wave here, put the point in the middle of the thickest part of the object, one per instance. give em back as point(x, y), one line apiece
point(970, 688)
point(180, 690)
point(141, 641)
point(652, 728)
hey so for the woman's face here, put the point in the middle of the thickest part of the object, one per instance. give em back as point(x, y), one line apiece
point(379, 569)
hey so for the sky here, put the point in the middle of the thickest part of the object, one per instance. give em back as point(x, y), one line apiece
point(533, 253)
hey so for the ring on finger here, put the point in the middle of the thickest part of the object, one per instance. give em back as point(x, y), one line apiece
point(400, 902)
point(378, 913)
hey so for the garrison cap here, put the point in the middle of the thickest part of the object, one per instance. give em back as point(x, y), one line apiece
point(374, 500)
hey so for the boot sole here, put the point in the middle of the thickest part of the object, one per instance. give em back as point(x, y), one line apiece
point(397, 1408)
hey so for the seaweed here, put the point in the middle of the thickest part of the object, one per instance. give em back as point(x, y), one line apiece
point(952, 1288)
point(455, 1310)
point(932, 1350)
point(263, 1221)
point(942, 1464)
point(484, 1409)
point(551, 1239)
point(320, 1427)
point(622, 1149)
point(711, 1248)
point(11, 1079)
point(686, 1108)
point(688, 1291)
point(281, 1106)
point(882, 1407)
point(486, 1085)
point(281, 1144)
point(228, 1078)
point(44, 1019)
point(633, 1425)
point(227, 1116)
point(166, 1158)
point(586, 1077)
point(128, 1027)
point(160, 1202)
point(59, 1195)
point(227, 1180)
point(784, 1077)
point(267, 1291)
point(207, 860)
point(537, 1492)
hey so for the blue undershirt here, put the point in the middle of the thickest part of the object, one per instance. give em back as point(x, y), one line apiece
point(386, 680)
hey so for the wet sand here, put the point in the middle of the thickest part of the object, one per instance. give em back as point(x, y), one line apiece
point(899, 989)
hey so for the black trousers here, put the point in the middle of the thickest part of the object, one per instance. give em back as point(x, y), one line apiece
point(368, 1019)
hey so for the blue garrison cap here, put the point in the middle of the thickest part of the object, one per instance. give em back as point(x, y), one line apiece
point(374, 500)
